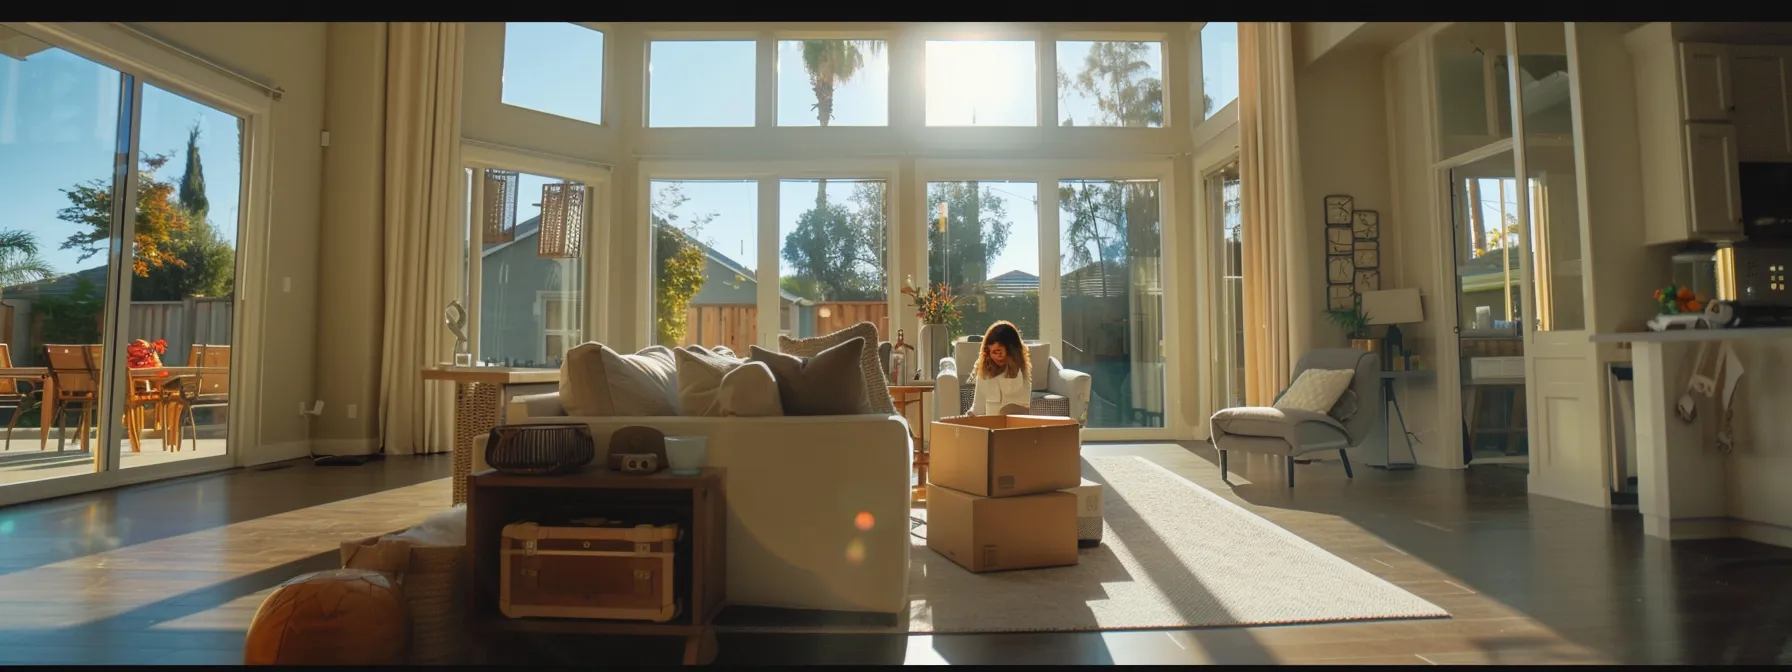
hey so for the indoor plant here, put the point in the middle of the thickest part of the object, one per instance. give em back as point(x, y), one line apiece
point(940, 317)
point(1355, 324)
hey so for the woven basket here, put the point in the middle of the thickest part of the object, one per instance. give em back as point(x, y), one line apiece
point(539, 450)
point(433, 579)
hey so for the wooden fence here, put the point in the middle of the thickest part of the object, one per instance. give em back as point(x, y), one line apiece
point(737, 325)
point(837, 315)
point(181, 323)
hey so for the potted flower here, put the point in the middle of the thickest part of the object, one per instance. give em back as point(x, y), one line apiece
point(1355, 324)
point(142, 354)
point(940, 316)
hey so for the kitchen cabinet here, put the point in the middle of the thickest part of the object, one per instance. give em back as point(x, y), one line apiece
point(1758, 77)
point(1687, 137)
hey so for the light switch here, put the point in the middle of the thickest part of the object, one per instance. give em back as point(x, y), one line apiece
point(286, 284)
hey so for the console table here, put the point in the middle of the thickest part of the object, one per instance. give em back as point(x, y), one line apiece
point(480, 393)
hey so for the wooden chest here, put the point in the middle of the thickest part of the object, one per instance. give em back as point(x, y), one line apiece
point(602, 571)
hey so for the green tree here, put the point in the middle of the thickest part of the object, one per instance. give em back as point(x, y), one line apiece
point(680, 262)
point(831, 64)
point(70, 318)
point(208, 261)
point(1114, 74)
point(977, 228)
point(838, 251)
point(19, 262)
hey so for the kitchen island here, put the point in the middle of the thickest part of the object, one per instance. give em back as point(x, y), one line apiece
point(1687, 488)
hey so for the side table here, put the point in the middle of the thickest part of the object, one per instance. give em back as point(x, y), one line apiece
point(904, 396)
point(479, 396)
point(495, 499)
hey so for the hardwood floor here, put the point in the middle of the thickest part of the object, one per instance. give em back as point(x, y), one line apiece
point(170, 573)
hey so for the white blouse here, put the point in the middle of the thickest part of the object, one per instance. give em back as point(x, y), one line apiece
point(994, 393)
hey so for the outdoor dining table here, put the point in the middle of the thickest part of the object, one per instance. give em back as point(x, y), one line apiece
point(42, 375)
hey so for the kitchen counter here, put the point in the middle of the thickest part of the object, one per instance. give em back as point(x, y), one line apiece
point(1686, 487)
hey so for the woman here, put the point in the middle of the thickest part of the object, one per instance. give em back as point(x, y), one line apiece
point(1004, 376)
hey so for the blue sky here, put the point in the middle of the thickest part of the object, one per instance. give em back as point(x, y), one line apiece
point(58, 126)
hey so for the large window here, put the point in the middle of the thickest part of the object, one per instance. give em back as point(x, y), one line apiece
point(531, 230)
point(701, 83)
point(982, 83)
point(983, 242)
point(1227, 230)
point(1219, 66)
point(1110, 84)
point(705, 249)
point(833, 83)
point(831, 261)
point(1111, 270)
point(557, 68)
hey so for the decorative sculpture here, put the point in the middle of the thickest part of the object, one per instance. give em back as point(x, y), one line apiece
point(456, 319)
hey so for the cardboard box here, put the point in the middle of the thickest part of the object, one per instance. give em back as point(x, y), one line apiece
point(1088, 513)
point(986, 534)
point(1005, 455)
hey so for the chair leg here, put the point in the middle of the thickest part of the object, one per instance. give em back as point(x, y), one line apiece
point(1223, 473)
point(1345, 455)
point(1291, 471)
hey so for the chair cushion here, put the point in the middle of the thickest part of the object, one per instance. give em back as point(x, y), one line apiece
point(877, 390)
point(700, 373)
point(1317, 389)
point(1268, 421)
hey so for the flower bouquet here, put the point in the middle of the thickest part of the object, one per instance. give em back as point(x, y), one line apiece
point(940, 318)
point(142, 354)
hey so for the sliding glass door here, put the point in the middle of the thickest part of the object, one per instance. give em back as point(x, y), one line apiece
point(117, 269)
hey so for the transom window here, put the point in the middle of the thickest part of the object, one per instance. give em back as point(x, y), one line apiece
point(701, 83)
point(1110, 84)
point(982, 83)
point(1219, 66)
point(557, 68)
point(833, 83)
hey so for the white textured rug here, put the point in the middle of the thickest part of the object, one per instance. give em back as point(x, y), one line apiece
point(1173, 555)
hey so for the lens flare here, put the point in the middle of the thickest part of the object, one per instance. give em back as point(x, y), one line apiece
point(855, 551)
point(864, 521)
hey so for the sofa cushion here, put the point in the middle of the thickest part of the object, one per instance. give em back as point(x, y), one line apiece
point(749, 391)
point(830, 383)
point(597, 381)
point(1316, 390)
point(877, 390)
point(700, 373)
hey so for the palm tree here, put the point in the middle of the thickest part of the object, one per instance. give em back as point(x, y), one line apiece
point(830, 64)
point(19, 262)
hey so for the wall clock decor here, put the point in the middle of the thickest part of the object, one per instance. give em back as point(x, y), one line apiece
point(1338, 209)
point(1368, 280)
point(1367, 224)
point(1368, 254)
point(1338, 240)
point(1339, 297)
point(1339, 270)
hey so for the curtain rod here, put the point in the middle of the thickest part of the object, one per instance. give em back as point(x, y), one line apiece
point(544, 155)
point(272, 90)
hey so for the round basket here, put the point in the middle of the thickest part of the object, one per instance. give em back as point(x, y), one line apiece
point(539, 450)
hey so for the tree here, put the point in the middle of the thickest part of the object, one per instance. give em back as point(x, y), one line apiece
point(19, 262)
point(159, 218)
point(680, 262)
point(977, 229)
point(1113, 73)
point(830, 64)
point(837, 251)
point(208, 262)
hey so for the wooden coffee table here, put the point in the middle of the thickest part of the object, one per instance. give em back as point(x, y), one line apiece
point(903, 396)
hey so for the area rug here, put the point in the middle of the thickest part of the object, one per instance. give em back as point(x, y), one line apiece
point(1173, 555)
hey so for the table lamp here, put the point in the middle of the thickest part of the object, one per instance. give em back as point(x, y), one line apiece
point(1393, 307)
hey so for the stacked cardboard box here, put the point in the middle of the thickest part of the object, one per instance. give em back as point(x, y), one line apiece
point(996, 492)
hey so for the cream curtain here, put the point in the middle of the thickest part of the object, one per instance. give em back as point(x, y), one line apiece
point(422, 274)
point(1278, 293)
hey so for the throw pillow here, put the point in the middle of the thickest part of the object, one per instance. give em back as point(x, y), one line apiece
point(1346, 407)
point(749, 391)
point(597, 381)
point(700, 374)
point(830, 383)
point(1316, 389)
point(877, 390)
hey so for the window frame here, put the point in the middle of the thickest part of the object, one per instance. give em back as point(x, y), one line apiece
point(760, 53)
point(596, 178)
point(1163, 39)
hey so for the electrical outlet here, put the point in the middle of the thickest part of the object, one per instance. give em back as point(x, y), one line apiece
point(286, 284)
point(352, 414)
point(303, 410)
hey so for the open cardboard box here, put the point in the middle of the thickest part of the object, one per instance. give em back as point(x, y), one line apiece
point(1005, 455)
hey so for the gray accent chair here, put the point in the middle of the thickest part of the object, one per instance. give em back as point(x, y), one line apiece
point(1292, 433)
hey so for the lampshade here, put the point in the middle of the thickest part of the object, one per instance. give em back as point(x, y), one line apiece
point(500, 206)
point(1393, 306)
point(562, 217)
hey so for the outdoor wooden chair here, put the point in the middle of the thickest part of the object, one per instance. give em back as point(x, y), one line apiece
point(16, 394)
